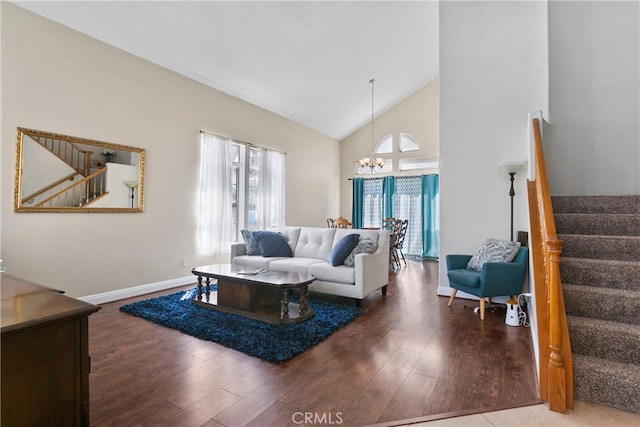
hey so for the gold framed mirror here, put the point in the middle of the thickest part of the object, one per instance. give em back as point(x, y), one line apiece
point(60, 173)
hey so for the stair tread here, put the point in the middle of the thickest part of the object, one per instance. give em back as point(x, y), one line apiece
point(597, 203)
point(611, 325)
point(601, 246)
point(612, 262)
point(600, 215)
point(599, 236)
point(613, 292)
point(608, 339)
point(597, 302)
point(607, 364)
point(604, 273)
point(607, 382)
point(627, 224)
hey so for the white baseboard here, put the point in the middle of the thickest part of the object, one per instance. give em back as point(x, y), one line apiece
point(446, 291)
point(138, 290)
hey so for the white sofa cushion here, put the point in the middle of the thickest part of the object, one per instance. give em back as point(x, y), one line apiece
point(293, 265)
point(256, 261)
point(328, 273)
point(315, 242)
point(291, 234)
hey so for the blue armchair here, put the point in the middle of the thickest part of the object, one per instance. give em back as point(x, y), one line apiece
point(495, 279)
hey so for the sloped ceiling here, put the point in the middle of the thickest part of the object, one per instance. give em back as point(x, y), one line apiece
point(308, 61)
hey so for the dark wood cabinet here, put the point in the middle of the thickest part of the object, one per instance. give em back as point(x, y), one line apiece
point(45, 356)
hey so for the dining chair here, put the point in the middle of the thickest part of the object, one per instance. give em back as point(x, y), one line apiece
point(389, 223)
point(401, 232)
point(392, 224)
point(342, 223)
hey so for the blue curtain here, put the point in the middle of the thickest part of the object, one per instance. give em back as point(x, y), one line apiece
point(388, 188)
point(356, 210)
point(425, 199)
point(431, 216)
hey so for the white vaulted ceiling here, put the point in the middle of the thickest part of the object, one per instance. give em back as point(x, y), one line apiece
point(308, 61)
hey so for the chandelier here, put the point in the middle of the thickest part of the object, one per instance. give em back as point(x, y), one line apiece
point(372, 163)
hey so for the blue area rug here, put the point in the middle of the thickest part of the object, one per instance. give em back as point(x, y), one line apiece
point(273, 343)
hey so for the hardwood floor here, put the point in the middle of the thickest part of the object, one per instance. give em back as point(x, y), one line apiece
point(407, 356)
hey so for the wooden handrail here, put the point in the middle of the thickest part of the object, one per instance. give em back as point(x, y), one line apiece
point(55, 184)
point(65, 150)
point(74, 195)
point(555, 362)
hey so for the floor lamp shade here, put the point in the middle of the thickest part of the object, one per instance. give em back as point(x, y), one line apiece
point(512, 168)
point(132, 186)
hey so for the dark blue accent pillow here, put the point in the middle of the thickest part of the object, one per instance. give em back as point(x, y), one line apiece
point(342, 249)
point(250, 243)
point(272, 244)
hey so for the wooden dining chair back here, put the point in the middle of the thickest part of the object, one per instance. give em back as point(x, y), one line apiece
point(401, 232)
point(342, 223)
point(389, 224)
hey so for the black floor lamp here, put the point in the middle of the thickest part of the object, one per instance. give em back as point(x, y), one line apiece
point(132, 186)
point(512, 168)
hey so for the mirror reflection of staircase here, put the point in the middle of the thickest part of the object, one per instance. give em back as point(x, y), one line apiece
point(600, 271)
point(84, 185)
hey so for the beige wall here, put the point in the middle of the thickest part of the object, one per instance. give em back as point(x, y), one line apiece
point(58, 80)
point(498, 75)
point(592, 145)
point(416, 115)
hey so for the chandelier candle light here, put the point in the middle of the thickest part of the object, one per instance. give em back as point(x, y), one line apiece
point(372, 163)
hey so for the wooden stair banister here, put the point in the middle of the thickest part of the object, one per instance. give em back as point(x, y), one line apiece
point(65, 150)
point(75, 192)
point(556, 365)
point(56, 183)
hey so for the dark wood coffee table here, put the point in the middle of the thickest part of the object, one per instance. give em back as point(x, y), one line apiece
point(259, 294)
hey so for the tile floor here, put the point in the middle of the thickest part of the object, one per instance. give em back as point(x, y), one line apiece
point(585, 414)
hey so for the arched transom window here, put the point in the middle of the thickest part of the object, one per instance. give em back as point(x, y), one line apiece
point(396, 151)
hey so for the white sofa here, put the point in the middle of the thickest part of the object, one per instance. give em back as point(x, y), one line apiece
point(311, 247)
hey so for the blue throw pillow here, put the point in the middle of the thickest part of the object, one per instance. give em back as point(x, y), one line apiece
point(272, 244)
point(250, 243)
point(342, 249)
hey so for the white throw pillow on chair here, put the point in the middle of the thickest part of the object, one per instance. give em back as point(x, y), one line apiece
point(493, 250)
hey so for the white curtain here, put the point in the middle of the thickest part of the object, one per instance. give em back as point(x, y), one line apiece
point(408, 205)
point(215, 231)
point(372, 203)
point(270, 201)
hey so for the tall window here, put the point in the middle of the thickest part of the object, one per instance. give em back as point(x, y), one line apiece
point(399, 149)
point(408, 205)
point(241, 186)
point(372, 203)
point(414, 198)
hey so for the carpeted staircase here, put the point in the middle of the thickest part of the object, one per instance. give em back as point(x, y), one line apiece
point(600, 271)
